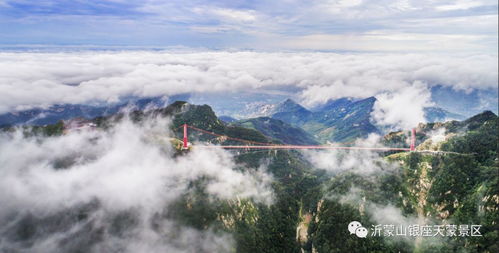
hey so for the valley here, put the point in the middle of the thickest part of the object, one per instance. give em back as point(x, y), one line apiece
point(312, 204)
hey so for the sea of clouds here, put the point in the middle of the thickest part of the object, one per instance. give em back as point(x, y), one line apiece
point(127, 172)
point(401, 82)
point(127, 168)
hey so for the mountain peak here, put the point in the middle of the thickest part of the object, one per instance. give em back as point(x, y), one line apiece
point(485, 114)
point(289, 105)
point(334, 103)
point(289, 102)
point(369, 99)
point(278, 130)
point(436, 114)
point(480, 118)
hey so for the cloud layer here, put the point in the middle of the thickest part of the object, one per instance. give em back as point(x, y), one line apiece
point(399, 81)
point(126, 170)
point(30, 80)
point(402, 109)
point(361, 162)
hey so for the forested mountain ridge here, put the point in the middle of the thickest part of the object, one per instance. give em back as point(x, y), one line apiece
point(341, 120)
point(460, 187)
point(278, 130)
point(312, 207)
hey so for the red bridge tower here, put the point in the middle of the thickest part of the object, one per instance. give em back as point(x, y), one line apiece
point(413, 139)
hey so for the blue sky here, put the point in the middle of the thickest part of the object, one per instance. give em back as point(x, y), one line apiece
point(460, 26)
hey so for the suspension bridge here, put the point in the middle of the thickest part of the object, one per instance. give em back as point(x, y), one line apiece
point(267, 145)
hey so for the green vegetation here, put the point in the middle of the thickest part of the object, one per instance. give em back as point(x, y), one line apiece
point(438, 188)
point(435, 188)
point(278, 130)
point(341, 121)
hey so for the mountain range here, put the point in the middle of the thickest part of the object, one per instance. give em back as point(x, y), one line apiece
point(54, 113)
point(278, 130)
point(340, 120)
point(312, 207)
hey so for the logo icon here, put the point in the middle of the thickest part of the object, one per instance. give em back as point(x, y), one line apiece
point(356, 228)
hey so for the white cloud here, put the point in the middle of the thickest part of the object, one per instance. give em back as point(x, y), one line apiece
point(320, 24)
point(128, 168)
point(235, 15)
point(338, 6)
point(390, 41)
point(39, 79)
point(461, 5)
point(437, 136)
point(362, 162)
point(402, 109)
point(391, 215)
